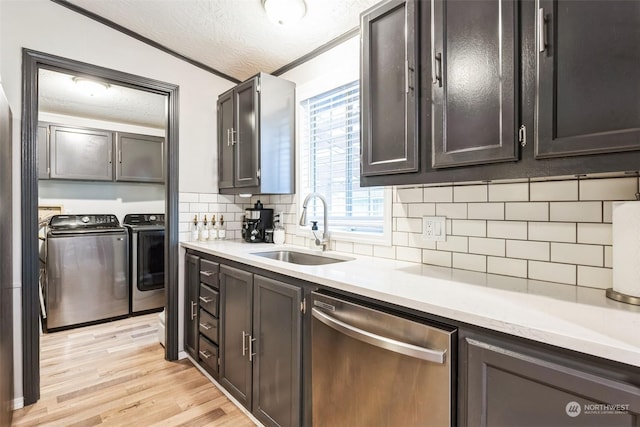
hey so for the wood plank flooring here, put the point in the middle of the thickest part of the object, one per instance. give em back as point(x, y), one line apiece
point(115, 374)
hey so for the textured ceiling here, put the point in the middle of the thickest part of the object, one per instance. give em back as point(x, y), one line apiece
point(231, 36)
point(58, 94)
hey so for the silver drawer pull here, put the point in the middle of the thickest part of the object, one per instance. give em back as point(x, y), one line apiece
point(207, 273)
point(205, 354)
point(206, 300)
point(206, 326)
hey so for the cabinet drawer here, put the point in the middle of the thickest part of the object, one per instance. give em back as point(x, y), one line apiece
point(209, 272)
point(208, 326)
point(209, 299)
point(208, 355)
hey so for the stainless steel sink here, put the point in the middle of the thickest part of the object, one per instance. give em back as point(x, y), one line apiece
point(301, 258)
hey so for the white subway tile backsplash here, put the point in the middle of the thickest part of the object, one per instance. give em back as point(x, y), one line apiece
point(465, 227)
point(493, 211)
point(516, 192)
point(409, 195)
point(528, 250)
point(409, 254)
point(452, 210)
point(470, 193)
point(575, 211)
point(363, 249)
point(552, 272)
point(608, 189)
point(552, 231)
point(530, 211)
point(470, 262)
point(608, 256)
point(411, 225)
point(570, 253)
point(384, 251)
point(453, 244)
point(418, 210)
point(554, 190)
point(438, 194)
point(507, 229)
point(507, 266)
point(599, 234)
point(594, 277)
point(483, 246)
point(544, 230)
point(439, 257)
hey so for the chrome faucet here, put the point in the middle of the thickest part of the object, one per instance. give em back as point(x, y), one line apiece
point(324, 239)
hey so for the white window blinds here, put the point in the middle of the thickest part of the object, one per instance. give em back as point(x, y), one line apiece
point(330, 162)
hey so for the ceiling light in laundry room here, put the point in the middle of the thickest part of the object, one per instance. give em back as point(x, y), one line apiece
point(285, 12)
point(91, 87)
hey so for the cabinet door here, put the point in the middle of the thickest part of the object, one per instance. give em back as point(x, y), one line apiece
point(235, 346)
point(246, 133)
point(81, 154)
point(474, 70)
point(588, 85)
point(506, 387)
point(43, 151)
point(277, 364)
point(191, 283)
point(140, 158)
point(388, 91)
point(226, 138)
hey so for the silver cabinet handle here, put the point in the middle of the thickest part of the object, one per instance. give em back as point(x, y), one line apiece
point(206, 326)
point(244, 348)
point(205, 354)
point(542, 30)
point(437, 67)
point(193, 310)
point(207, 273)
point(437, 356)
point(233, 140)
point(206, 300)
point(228, 140)
point(251, 353)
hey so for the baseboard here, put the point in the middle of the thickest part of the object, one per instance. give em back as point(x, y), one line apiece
point(226, 393)
point(18, 403)
point(183, 355)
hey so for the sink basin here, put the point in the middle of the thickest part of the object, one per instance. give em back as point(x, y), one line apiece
point(301, 258)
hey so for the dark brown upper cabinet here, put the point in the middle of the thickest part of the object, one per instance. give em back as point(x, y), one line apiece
point(588, 93)
point(388, 89)
point(140, 158)
point(474, 76)
point(256, 137)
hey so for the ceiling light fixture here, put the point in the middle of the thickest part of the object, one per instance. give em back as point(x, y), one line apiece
point(284, 12)
point(91, 87)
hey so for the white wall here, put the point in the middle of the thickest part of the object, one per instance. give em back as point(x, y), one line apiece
point(47, 27)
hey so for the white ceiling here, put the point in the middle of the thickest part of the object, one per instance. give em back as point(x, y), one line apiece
point(234, 37)
point(231, 36)
point(58, 94)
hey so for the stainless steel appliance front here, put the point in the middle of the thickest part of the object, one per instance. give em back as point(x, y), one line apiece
point(371, 368)
point(87, 277)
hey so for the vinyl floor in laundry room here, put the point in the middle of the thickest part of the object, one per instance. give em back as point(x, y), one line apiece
point(115, 374)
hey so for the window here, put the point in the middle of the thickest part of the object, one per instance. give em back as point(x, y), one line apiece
point(330, 163)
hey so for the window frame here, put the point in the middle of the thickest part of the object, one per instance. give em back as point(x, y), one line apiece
point(328, 82)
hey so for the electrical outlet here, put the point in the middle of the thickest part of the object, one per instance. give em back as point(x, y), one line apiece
point(434, 228)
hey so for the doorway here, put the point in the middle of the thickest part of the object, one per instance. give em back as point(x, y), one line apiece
point(33, 62)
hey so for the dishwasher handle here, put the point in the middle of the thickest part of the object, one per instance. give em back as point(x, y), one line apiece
point(437, 356)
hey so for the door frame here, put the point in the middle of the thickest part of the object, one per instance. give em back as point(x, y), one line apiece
point(32, 62)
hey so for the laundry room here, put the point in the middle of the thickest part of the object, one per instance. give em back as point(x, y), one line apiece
point(101, 200)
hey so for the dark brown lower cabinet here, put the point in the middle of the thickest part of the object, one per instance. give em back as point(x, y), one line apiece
point(261, 345)
point(504, 384)
point(191, 283)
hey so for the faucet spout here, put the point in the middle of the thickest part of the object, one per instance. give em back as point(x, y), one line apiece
point(303, 219)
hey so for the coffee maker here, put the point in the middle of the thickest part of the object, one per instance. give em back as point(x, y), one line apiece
point(257, 221)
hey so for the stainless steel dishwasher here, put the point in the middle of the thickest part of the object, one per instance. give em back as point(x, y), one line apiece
point(371, 368)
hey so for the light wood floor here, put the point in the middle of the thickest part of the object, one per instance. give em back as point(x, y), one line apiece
point(115, 374)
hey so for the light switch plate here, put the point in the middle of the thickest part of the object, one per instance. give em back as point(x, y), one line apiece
point(434, 228)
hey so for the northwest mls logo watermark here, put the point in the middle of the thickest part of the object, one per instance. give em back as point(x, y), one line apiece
point(573, 409)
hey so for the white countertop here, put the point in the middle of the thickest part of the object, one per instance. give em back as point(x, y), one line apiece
point(571, 317)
